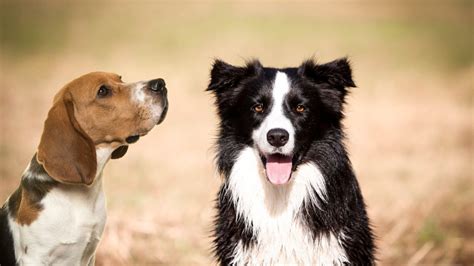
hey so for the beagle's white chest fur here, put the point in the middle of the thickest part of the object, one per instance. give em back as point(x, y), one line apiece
point(68, 228)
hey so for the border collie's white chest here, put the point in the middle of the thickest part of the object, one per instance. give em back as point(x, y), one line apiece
point(271, 213)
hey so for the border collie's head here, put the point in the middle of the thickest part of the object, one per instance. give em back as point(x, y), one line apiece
point(279, 112)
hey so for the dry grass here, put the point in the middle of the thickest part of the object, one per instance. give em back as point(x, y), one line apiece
point(409, 122)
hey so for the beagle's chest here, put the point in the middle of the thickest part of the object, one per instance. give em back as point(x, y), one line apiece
point(66, 232)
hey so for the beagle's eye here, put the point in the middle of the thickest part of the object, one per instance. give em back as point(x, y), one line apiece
point(300, 108)
point(258, 108)
point(103, 91)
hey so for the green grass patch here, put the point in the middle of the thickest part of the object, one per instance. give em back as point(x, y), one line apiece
point(415, 38)
point(431, 232)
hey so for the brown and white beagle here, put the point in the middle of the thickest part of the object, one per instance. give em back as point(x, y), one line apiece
point(58, 213)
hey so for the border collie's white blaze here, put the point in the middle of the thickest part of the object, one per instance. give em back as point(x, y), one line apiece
point(275, 136)
point(289, 194)
point(276, 119)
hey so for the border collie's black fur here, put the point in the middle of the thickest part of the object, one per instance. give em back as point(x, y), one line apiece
point(316, 213)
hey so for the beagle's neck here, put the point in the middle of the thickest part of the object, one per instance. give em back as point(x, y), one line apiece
point(103, 155)
point(36, 171)
point(36, 184)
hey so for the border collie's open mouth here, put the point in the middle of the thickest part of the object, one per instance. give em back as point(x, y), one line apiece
point(278, 167)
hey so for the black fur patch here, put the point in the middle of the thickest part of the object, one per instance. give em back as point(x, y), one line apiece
point(229, 229)
point(36, 190)
point(7, 252)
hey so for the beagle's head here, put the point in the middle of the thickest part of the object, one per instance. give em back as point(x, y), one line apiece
point(97, 111)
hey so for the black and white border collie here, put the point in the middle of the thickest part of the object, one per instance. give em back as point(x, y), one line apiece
point(289, 194)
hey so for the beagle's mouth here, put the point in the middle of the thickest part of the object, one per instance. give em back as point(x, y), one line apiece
point(278, 167)
point(136, 135)
point(132, 139)
point(164, 112)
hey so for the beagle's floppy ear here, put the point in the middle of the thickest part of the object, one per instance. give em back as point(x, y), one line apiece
point(65, 150)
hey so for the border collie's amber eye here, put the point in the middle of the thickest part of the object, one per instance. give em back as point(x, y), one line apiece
point(258, 108)
point(300, 108)
point(103, 91)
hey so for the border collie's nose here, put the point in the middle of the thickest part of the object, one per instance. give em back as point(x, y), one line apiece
point(157, 85)
point(277, 137)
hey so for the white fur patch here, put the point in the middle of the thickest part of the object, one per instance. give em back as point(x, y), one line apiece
point(69, 227)
point(138, 93)
point(276, 119)
point(103, 156)
point(146, 101)
point(271, 212)
point(28, 174)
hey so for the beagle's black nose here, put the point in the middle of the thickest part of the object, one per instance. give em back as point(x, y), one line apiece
point(277, 137)
point(157, 85)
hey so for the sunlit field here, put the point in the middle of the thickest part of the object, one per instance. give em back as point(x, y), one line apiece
point(409, 121)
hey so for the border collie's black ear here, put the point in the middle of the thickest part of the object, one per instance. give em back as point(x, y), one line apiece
point(225, 76)
point(336, 73)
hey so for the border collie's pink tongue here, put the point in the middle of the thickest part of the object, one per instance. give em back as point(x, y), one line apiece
point(278, 169)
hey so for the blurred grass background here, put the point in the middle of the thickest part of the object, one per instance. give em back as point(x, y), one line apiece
point(409, 122)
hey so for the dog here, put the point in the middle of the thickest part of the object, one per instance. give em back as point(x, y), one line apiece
point(58, 213)
point(289, 193)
